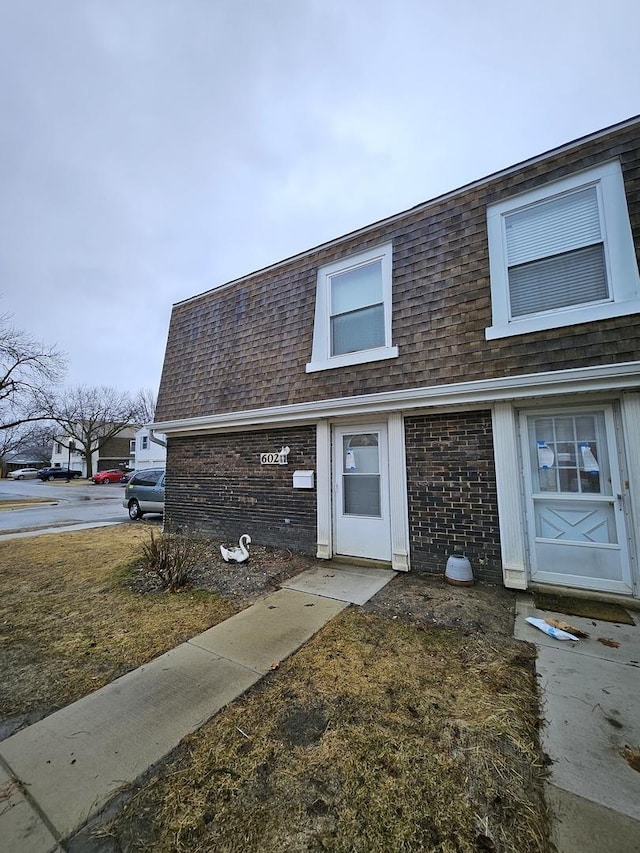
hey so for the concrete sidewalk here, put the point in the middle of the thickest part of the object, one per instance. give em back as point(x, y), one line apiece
point(56, 774)
point(61, 528)
point(591, 710)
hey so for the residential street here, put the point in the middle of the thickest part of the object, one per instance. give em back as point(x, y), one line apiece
point(74, 504)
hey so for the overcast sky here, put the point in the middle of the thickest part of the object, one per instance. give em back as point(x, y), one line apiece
point(153, 149)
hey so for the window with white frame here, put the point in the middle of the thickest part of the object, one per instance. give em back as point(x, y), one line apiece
point(132, 445)
point(144, 442)
point(353, 311)
point(562, 254)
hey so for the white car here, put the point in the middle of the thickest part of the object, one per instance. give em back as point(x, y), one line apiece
point(23, 474)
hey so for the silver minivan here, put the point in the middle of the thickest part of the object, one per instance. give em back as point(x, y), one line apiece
point(145, 492)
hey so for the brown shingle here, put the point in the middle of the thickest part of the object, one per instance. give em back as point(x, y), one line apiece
point(246, 346)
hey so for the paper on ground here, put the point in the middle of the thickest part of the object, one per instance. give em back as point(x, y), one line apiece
point(556, 633)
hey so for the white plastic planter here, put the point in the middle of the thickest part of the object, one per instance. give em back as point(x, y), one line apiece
point(458, 571)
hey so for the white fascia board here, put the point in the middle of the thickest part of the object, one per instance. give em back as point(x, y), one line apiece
point(461, 394)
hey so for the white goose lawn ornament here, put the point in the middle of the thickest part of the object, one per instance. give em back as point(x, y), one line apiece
point(237, 555)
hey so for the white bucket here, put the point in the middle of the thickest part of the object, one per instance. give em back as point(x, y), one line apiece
point(458, 571)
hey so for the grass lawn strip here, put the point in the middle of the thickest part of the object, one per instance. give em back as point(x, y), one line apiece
point(375, 737)
point(18, 503)
point(69, 624)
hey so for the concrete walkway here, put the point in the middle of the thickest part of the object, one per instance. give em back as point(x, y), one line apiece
point(56, 774)
point(591, 710)
point(62, 528)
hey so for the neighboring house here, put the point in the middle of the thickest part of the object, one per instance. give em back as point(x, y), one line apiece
point(61, 457)
point(150, 450)
point(461, 376)
point(14, 461)
point(116, 453)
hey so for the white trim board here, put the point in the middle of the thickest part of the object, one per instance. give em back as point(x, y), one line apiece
point(611, 377)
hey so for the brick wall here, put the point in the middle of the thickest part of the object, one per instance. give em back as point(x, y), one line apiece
point(452, 492)
point(216, 485)
point(115, 453)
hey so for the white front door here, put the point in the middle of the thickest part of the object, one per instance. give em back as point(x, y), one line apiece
point(362, 524)
point(575, 505)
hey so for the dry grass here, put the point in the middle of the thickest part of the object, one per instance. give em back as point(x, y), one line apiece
point(69, 624)
point(377, 737)
point(17, 503)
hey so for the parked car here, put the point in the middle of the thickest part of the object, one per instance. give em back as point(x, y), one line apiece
point(115, 475)
point(145, 492)
point(126, 477)
point(23, 474)
point(58, 474)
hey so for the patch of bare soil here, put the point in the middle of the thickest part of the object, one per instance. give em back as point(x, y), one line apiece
point(240, 583)
point(427, 600)
point(419, 599)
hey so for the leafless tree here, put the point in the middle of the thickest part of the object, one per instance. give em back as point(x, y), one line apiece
point(28, 370)
point(31, 440)
point(146, 400)
point(92, 416)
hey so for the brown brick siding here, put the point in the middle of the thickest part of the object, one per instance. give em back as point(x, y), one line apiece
point(452, 492)
point(441, 307)
point(115, 453)
point(216, 485)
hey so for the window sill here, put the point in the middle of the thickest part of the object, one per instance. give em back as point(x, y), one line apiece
point(350, 358)
point(570, 317)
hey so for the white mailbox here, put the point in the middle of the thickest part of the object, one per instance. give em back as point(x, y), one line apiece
point(303, 479)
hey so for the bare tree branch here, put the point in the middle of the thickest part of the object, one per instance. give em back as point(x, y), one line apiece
point(28, 369)
point(146, 400)
point(92, 415)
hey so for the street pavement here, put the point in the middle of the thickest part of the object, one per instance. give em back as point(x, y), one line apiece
point(67, 505)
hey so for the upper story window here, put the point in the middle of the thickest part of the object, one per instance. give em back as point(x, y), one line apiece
point(562, 254)
point(132, 445)
point(144, 442)
point(353, 311)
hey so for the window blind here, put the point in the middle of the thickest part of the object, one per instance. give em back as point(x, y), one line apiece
point(555, 254)
point(559, 225)
point(358, 330)
point(570, 279)
point(356, 288)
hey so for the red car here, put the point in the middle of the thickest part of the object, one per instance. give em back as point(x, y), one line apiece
point(106, 477)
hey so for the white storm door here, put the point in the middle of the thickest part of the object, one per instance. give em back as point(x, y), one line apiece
point(362, 523)
point(576, 518)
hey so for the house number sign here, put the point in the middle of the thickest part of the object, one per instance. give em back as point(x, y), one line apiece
point(278, 458)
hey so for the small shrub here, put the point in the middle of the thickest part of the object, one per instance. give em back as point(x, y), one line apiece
point(172, 557)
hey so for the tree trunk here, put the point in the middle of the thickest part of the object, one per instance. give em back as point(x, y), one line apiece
point(88, 453)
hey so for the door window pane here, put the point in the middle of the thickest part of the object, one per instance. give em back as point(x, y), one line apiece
point(360, 454)
point(361, 475)
point(568, 454)
point(362, 495)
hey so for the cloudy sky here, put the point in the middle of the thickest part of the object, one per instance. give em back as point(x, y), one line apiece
point(153, 149)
